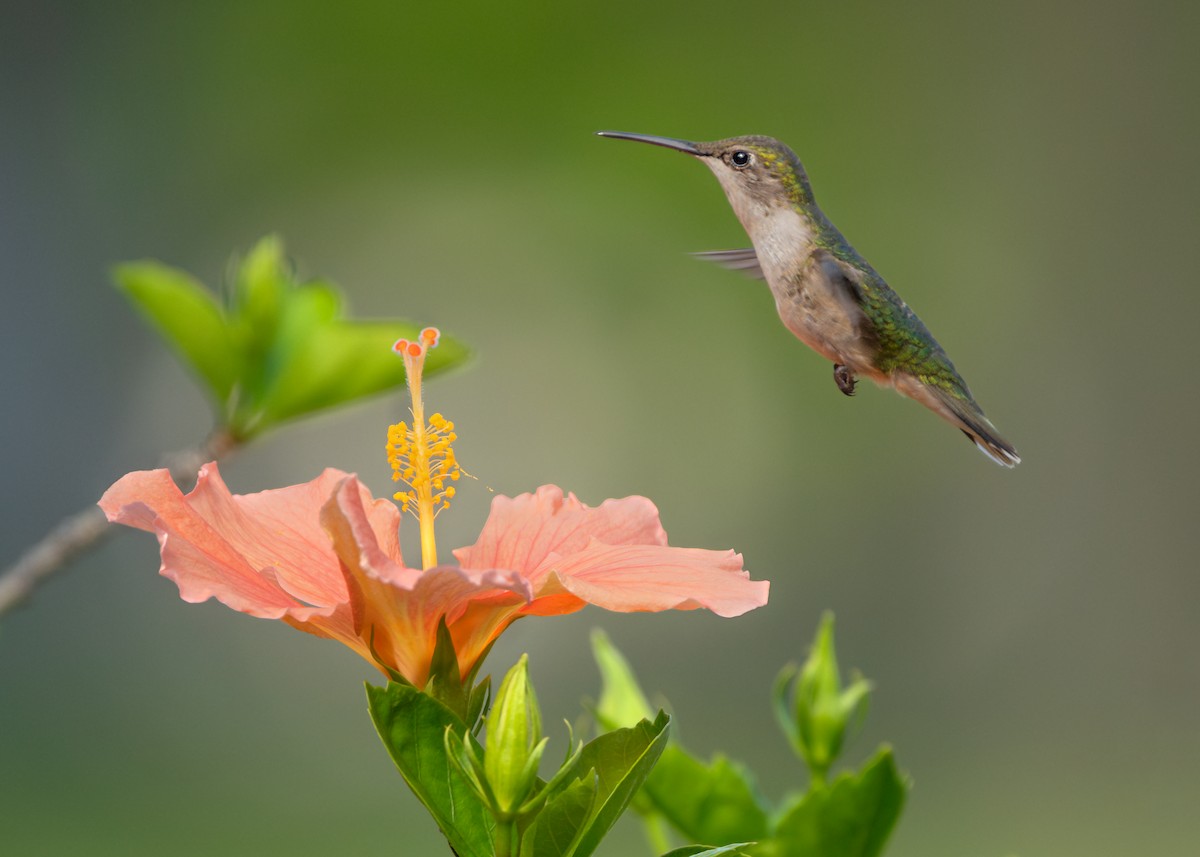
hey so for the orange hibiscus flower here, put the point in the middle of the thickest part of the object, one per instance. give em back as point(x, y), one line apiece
point(324, 556)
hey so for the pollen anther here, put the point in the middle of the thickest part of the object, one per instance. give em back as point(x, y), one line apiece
point(421, 456)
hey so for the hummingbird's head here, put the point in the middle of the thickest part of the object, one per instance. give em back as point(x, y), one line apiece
point(758, 174)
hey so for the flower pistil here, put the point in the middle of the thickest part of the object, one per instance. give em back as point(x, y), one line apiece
point(422, 456)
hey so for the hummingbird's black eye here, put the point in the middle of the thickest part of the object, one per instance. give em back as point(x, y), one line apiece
point(740, 159)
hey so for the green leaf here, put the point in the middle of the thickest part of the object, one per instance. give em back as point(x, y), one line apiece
point(714, 802)
point(622, 702)
point(263, 280)
point(445, 683)
point(276, 349)
point(188, 317)
point(262, 290)
point(560, 822)
point(340, 361)
point(705, 851)
point(477, 702)
point(706, 803)
point(413, 727)
point(781, 704)
point(622, 760)
point(851, 817)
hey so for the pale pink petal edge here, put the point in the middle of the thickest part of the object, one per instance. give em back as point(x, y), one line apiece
point(199, 560)
point(520, 532)
point(637, 578)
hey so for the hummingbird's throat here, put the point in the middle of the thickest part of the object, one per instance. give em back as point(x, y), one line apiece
point(422, 457)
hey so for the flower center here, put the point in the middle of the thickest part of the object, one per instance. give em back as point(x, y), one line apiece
point(422, 457)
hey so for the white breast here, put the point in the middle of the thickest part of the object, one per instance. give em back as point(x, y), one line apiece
point(782, 239)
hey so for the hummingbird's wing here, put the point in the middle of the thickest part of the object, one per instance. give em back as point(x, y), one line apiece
point(745, 261)
point(890, 331)
point(855, 335)
point(906, 352)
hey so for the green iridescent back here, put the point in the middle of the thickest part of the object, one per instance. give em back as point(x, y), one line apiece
point(905, 343)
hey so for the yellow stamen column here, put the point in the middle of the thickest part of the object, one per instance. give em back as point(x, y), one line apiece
point(422, 457)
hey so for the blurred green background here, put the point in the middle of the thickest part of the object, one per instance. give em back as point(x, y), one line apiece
point(1024, 174)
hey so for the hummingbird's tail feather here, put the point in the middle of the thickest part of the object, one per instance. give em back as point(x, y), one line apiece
point(994, 447)
point(962, 412)
point(970, 419)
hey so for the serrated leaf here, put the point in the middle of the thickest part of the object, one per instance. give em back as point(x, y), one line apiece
point(622, 760)
point(851, 817)
point(560, 822)
point(704, 851)
point(412, 726)
point(188, 317)
point(714, 802)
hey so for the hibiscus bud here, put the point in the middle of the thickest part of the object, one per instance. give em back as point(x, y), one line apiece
point(514, 740)
point(820, 711)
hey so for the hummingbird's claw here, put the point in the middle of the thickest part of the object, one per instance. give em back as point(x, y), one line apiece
point(844, 378)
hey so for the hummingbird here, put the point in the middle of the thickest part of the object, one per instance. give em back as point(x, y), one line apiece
point(826, 294)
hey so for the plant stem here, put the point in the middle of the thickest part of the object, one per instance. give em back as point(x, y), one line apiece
point(504, 837)
point(656, 833)
point(79, 533)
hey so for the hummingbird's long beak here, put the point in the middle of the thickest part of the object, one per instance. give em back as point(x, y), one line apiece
point(668, 142)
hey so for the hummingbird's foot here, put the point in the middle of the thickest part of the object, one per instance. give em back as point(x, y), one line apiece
point(845, 378)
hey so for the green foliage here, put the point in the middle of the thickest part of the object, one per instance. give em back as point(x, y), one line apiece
point(487, 800)
point(621, 700)
point(734, 850)
point(621, 760)
point(515, 742)
point(576, 809)
point(273, 349)
point(820, 711)
point(717, 801)
point(851, 817)
point(188, 317)
point(445, 684)
point(714, 802)
point(413, 727)
point(557, 829)
point(707, 802)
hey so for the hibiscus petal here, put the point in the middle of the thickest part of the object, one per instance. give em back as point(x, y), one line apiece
point(325, 558)
point(522, 531)
point(633, 578)
point(357, 541)
point(397, 609)
point(262, 554)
